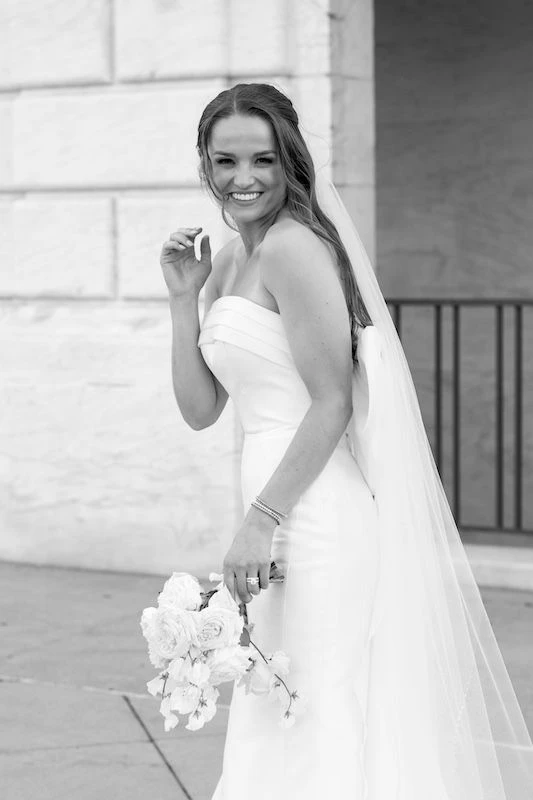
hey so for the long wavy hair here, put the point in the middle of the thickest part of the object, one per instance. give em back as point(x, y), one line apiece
point(265, 101)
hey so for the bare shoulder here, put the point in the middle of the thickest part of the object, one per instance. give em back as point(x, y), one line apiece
point(291, 248)
point(299, 270)
point(292, 234)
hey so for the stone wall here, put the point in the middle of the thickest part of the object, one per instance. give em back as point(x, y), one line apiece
point(99, 104)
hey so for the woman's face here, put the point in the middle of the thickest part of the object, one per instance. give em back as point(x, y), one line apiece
point(246, 167)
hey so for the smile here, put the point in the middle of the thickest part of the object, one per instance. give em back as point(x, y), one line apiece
point(245, 197)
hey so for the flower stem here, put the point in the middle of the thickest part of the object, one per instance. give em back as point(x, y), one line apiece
point(280, 679)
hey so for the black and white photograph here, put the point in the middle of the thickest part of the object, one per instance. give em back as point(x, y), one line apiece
point(266, 400)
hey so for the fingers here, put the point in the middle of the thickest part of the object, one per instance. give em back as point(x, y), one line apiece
point(264, 576)
point(184, 237)
point(235, 579)
point(242, 586)
point(253, 588)
point(247, 591)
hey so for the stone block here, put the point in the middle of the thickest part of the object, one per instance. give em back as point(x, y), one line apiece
point(124, 137)
point(66, 42)
point(155, 40)
point(100, 470)
point(53, 246)
point(6, 143)
point(353, 130)
point(352, 38)
point(144, 223)
point(312, 99)
point(309, 37)
point(257, 37)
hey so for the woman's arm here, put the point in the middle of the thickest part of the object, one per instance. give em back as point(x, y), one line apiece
point(298, 270)
point(308, 453)
point(200, 396)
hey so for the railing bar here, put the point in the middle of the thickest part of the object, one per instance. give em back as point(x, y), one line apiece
point(499, 494)
point(438, 387)
point(518, 416)
point(456, 412)
point(464, 301)
point(499, 304)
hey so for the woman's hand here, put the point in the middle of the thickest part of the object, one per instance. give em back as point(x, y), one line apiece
point(249, 556)
point(183, 273)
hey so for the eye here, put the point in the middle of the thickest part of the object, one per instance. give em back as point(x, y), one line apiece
point(265, 159)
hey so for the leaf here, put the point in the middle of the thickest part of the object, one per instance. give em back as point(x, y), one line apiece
point(206, 597)
point(276, 575)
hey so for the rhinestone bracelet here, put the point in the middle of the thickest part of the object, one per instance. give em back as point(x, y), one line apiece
point(277, 515)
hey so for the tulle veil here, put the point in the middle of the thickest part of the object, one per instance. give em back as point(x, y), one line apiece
point(443, 721)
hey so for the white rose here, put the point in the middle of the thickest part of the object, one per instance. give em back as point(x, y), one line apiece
point(218, 627)
point(227, 663)
point(169, 635)
point(181, 591)
point(223, 599)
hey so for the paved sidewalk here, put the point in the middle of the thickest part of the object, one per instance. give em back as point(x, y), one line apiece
point(75, 719)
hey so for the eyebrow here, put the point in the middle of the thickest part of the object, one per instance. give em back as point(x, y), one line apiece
point(261, 153)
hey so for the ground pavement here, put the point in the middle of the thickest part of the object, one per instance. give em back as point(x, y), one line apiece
point(76, 722)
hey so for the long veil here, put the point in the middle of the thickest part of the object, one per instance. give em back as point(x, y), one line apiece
point(443, 721)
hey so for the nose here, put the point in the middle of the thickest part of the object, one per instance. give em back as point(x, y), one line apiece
point(243, 179)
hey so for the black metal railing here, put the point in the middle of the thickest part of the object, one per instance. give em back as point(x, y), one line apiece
point(508, 315)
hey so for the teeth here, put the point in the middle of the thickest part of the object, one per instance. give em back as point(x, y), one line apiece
point(247, 196)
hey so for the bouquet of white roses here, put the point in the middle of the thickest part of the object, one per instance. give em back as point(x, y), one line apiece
point(199, 640)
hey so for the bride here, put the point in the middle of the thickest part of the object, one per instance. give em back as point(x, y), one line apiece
point(408, 695)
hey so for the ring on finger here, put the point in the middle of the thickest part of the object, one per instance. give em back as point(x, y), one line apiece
point(252, 584)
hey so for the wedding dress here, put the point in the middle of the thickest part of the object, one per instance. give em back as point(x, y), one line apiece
point(328, 549)
point(409, 697)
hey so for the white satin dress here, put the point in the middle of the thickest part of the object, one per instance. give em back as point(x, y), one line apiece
point(322, 614)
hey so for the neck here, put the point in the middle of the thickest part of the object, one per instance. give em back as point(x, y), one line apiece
point(253, 233)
